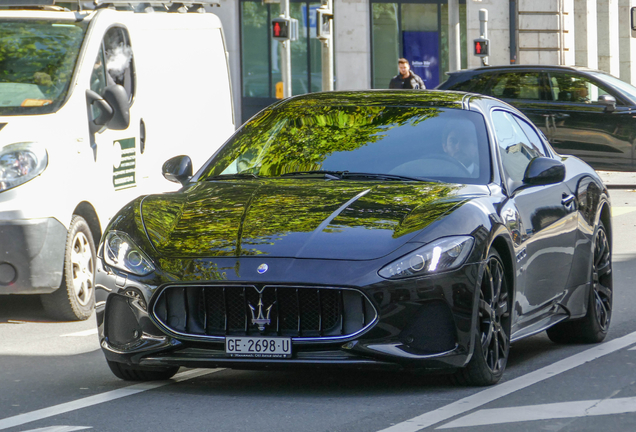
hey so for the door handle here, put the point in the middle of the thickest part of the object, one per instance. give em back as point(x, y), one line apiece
point(567, 200)
point(561, 115)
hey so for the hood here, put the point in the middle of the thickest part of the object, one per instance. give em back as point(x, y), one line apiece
point(290, 218)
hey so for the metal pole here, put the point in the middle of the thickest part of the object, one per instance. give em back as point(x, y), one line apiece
point(327, 53)
point(454, 50)
point(483, 29)
point(286, 54)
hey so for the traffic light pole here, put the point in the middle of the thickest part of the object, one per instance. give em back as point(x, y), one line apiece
point(327, 49)
point(286, 54)
point(483, 29)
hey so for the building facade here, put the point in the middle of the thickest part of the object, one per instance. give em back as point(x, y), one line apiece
point(434, 35)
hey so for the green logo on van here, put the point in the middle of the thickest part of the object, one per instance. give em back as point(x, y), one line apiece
point(124, 167)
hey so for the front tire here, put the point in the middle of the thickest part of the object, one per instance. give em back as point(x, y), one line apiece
point(492, 339)
point(593, 327)
point(140, 373)
point(74, 300)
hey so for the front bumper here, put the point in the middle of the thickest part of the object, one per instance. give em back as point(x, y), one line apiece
point(424, 323)
point(31, 256)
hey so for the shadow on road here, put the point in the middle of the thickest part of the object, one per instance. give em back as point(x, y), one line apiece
point(22, 308)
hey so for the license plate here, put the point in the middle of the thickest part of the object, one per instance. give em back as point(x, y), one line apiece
point(259, 347)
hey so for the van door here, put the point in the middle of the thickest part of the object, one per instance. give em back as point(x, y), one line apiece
point(116, 152)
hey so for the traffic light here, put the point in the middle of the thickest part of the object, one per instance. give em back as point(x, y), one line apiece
point(280, 29)
point(284, 29)
point(481, 47)
point(323, 23)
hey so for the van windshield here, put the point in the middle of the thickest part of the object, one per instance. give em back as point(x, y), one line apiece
point(37, 58)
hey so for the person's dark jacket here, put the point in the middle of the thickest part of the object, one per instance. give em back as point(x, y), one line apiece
point(413, 81)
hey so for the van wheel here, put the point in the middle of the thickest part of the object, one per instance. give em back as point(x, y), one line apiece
point(492, 336)
point(593, 327)
point(74, 300)
point(140, 373)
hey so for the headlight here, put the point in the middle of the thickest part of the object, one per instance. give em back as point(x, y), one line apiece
point(122, 253)
point(443, 254)
point(20, 163)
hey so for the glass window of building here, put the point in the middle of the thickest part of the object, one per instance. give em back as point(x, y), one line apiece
point(416, 30)
point(261, 55)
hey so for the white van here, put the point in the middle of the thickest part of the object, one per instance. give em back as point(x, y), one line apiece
point(92, 103)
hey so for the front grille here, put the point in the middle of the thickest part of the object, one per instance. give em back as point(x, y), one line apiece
point(298, 312)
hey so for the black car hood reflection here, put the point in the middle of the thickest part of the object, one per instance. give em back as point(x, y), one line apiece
point(294, 218)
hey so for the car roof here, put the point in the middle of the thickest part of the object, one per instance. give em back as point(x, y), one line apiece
point(407, 98)
point(523, 66)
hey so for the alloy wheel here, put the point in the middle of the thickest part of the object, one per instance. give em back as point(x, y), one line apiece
point(494, 316)
point(82, 261)
point(602, 279)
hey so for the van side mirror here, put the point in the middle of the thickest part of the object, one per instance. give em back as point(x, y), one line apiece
point(114, 111)
point(117, 98)
point(178, 169)
point(105, 110)
point(544, 171)
point(609, 101)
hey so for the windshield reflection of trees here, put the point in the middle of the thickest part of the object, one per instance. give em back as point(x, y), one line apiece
point(38, 53)
point(305, 135)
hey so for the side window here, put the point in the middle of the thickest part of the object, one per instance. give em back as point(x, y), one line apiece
point(114, 63)
point(574, 88)
point(518, 85)
point(515, 148)
point(532, 135)
point(476, 84)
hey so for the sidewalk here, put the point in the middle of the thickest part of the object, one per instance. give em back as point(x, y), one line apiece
point(617, 179)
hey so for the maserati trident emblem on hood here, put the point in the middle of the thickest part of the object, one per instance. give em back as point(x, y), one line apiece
point(262, 268)
point(260, 318)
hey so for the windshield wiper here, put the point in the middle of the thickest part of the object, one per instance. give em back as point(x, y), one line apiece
point(233, 176)
point(350, 175)
point(331, 175)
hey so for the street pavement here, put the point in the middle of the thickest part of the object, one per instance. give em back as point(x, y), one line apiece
point(617, 179)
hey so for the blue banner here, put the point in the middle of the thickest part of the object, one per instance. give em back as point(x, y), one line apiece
point(421, 49)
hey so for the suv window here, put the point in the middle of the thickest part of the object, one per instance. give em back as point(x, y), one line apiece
point(476, 84)
point(515, 148)
point(518, 85)
point(567, 87)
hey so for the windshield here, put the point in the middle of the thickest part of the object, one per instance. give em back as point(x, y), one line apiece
point(417, 143)
point(37, 58)
point(624, 87)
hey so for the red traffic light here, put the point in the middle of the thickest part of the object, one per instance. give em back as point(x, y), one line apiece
point(481, 47)
point(280, 29)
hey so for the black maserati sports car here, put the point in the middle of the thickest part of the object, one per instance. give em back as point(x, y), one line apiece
point(416, 230)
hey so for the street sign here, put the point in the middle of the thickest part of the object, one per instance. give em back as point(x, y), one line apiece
point(481, 47)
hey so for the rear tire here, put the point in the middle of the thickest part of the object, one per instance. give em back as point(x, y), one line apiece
point(74, 300)
point(140, 373)
point(593, 327)
point(492, 339)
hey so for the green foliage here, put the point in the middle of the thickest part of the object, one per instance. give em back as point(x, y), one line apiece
point(41, 53)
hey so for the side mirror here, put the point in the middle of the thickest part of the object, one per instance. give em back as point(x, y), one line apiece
point(117, 98)
point(114, 111)
point(609, 101)
point(544, 171)
point(105, 111)
point(178, 169)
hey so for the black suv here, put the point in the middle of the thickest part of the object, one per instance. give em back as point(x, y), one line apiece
point(583, 112)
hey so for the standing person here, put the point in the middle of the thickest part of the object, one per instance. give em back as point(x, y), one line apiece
point(406, 79)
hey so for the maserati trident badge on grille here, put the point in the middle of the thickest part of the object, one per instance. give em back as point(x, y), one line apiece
point(262, 268)
point(258, 317)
